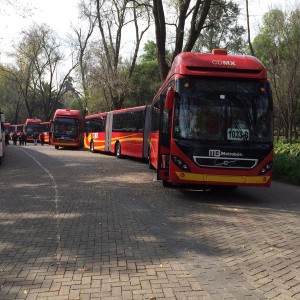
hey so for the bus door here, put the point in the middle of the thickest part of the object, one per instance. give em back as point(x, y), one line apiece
point(108, 131)
point(165, 121)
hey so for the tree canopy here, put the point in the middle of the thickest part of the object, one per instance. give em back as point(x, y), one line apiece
point(278, 47)
point(113, 65)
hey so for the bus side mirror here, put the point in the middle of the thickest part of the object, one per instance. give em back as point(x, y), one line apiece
point(170, 98)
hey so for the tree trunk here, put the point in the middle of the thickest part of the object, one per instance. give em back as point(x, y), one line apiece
point(160, 32)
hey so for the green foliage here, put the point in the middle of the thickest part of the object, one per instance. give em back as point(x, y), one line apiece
point(223, 30)
point(287, 162)
point(77, 104)
point(278, 47)
point(145, 80)
point(150, 52)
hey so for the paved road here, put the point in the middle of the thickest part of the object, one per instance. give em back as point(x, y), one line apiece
point(77, 225)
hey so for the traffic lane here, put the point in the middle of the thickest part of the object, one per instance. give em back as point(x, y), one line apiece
point(120, 206)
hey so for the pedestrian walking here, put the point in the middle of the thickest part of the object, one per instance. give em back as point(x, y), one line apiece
point(35, 137)
point(15, 138)
point(23, 137)
point(42, 139)
point(6, 138)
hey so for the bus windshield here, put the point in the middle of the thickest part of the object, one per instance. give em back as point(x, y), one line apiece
point(44, 127)
point(66, 126)
point(228, 110)
point(32, 128)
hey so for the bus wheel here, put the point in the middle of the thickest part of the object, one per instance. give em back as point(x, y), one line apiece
point(167, 184)
point(92, 149)
point(56, 147)
point(118, 150)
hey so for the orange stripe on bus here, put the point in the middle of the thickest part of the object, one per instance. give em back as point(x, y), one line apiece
point(222, 178)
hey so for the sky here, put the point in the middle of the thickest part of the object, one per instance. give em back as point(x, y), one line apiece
point(60, 14)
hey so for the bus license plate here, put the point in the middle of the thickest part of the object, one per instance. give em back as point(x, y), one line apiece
point(235, 134)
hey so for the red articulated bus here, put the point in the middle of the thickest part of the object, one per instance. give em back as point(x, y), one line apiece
point(122, 132)
point(66, 129)
point(45, 129)
point(31, 126)
point(212, 122)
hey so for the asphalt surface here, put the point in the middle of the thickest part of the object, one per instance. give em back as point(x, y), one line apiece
point(79, 225)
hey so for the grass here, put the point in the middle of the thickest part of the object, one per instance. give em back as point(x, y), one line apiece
point(286, 166)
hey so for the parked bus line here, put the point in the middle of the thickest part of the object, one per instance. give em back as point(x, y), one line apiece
point(210, 124)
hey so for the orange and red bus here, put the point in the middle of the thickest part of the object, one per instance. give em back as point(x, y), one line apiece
point(31, 127)
point(66, 128)
point(9, 128)
point(45, 129)
point(122, 132)
point(212, 122)
point(19, 129)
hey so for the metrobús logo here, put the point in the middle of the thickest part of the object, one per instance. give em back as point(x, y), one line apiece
point(230, 63)
point(219, 153)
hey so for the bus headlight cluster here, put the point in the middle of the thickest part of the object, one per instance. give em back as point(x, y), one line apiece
point(181, 163)
point(266, 168)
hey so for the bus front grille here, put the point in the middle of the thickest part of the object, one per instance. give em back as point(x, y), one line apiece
point(225, 162)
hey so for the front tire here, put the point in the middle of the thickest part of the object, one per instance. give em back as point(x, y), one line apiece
point(167, 184)
point(118, 150)
point(56, 147)
point(92, 147)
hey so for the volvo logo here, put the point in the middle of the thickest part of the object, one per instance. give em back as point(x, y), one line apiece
point(230, 63)
point(225, 163)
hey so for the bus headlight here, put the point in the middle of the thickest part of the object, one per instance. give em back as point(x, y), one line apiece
point(265, 169)
point(181, 163)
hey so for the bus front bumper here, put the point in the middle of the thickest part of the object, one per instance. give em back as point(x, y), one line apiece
point(194, 178)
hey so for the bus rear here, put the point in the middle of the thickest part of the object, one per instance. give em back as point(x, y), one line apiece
point(67, 129)
point(212, 122)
